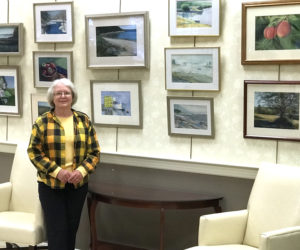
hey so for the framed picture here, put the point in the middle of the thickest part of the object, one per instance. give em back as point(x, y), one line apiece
point(39, 105)
point(11, 39)
point(192, 68)
point(271, 110)
point(53, 22)
point(271, 32)
point(117, 40)
point(49, 66)
point(10, 91)
point(194, 18)
point(116, 103)
point(190, 116)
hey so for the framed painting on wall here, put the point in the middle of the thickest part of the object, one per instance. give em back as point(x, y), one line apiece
point(194, 18)
point(192, 68)
point(116, 103)
point(39, 105)
point(117, 40)
point(271, 32)
point(190, 116)
point(10, 91)
point(49, 66)
point(271, 110)
point(53, 22)
point(11, 39)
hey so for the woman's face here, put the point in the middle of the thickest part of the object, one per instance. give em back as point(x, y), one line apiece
point(62, 96)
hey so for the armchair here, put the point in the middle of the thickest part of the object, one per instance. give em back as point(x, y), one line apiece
point(21, 218)
point(270, 222)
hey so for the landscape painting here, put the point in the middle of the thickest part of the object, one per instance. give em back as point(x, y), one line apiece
point(278, 32)
point(7, 91)
point(116, 41)
point(194, 14)
point(278, 110)
point(53, 22)
point(271, 110)
point(116, 103)
point(192, 68)
point(9, 39)
point(194, 17)
point(190, 116)
point(43, 107)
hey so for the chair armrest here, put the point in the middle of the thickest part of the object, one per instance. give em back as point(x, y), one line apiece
point(5, 195)
point(286, 238)
point(223, 228)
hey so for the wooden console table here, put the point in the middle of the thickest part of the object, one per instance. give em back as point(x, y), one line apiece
point(142, 197)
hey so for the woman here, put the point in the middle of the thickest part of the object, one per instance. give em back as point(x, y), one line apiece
point(65, 150)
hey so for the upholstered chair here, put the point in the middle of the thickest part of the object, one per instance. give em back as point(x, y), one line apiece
point(270, 222)
point(21, 218)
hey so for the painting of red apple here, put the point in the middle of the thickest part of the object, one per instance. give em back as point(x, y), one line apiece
point(279, 32)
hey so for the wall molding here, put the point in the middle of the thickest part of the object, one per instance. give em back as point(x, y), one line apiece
point(180, 165)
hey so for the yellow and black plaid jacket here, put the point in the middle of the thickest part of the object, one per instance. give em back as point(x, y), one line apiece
point(46, 148)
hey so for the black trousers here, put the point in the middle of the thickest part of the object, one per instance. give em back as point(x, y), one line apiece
point(62, 211)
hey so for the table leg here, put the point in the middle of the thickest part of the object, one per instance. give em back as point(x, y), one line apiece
point(92, 204)
point(218, 209)
point(162, 228)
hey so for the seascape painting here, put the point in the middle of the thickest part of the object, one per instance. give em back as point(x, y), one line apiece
point(43, 107)
point(115, 41)
point(190, 116)
point(7, 91)
point(9, 39)
point(277, 110)
point(192, 68)
point(194, 13)
point(116, 103)
point(52, 68)
point(278, 32)
point(53, 22)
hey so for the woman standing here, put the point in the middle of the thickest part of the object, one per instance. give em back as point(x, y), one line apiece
point(65, 150)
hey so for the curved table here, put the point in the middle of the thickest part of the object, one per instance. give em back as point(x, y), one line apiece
point(143, 197)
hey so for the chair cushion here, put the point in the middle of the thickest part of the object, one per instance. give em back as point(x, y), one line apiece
point(24, 232)
point(223, 247)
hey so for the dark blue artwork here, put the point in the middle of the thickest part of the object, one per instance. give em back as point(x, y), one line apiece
point(53, 22)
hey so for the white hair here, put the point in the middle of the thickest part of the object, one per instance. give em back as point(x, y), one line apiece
point(67, 83)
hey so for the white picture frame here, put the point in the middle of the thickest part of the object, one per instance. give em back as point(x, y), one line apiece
point(118, 40)
point(53, 22)
point(10, 91)
point(190, 116)
point(194, 18)
point(116, 103)
point(51, 65)
point(192, 69)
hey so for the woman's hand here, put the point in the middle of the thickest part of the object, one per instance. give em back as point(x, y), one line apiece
point(75, 177)
point(63, 175)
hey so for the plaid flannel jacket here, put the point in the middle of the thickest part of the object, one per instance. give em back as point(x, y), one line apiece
point(47, 144)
